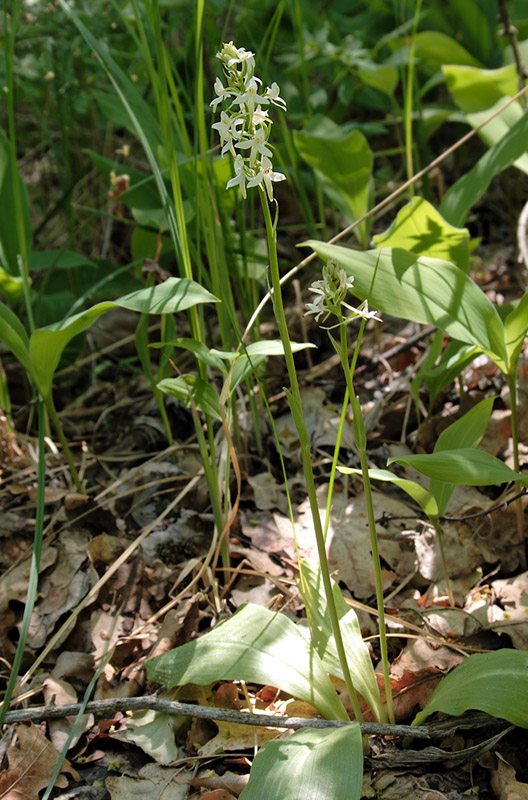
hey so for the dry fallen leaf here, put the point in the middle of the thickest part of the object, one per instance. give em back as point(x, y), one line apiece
point(32, 759)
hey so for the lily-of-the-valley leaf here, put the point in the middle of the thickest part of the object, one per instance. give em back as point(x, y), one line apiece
point(254, 645)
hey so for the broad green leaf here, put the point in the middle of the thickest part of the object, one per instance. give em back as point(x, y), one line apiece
point(186, 386)
point(46, 344)
point(174, 294)
point(420, 229)
point(58, 259)
point(459, 198)
point(468, 430)
point(420, 495)
point(481, 92)
point(199, 349)
point(465, 432)
point(516, 327)
point(383, 77)
point(466, 467)
point(439, 49)
point(268, 347)
point(310, 764)
point(496, 683)
point(14, 336)
point(453, 360)
point(475, 89)
point(344, 162)
point(254, 645)
point(359, 661)
point(426, 290)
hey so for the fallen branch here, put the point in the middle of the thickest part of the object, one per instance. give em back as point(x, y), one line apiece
point(106, 708)
point(110, 707)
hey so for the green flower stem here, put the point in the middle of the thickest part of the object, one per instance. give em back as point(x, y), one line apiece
point(440, 538)
point(512, 384)
point(35, 564)
point(295, 404)
point(50, 407)
point(361, 444)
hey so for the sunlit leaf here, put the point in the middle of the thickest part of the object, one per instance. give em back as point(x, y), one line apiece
point(310, 764)
point(420, 229)
point(466, 466)
point(358, 656)
point(420, 495)
point(496, 683)
point(254, 645)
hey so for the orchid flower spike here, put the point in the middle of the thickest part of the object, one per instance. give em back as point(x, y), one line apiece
point(244, 125)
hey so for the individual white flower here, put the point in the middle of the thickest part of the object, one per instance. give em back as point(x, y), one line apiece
point(240, 176)
point(250, 96)
point(266, 176)
point(232, 55)
point(272, 94)
point(257, 145)
point(227, 132)
point(260, 117)
point(221, 92)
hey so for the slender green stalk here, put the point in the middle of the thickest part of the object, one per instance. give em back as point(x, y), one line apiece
point(408, 102)
point(50, 407)
point(512, 384)
point(440, 538)
point(361, 445)
point(294, 398)
point(35, 563)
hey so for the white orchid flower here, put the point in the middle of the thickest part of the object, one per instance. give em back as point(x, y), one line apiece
point(240, 176)
point(266, 176)
point(257, 145)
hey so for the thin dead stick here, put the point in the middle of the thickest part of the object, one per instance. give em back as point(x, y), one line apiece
point(173, 708)
point(382, 204)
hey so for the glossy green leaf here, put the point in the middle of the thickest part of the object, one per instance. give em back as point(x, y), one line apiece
point(468, 430)
point(460, 197)
point(358, 657)
point(199, 349)
point(420, 495)
point(464, 432)
point(516, 327)
point(420, 229)
point(437, 48)
point(14, 337)
point(479, 93)
point(185, 387)
point(474, 89)
point(496, 683)
point(466, 467)
point(254, 645)
point(343, 161)
point(426, 290)
point(46, 344)
point(453, 360)
point(310, 764)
